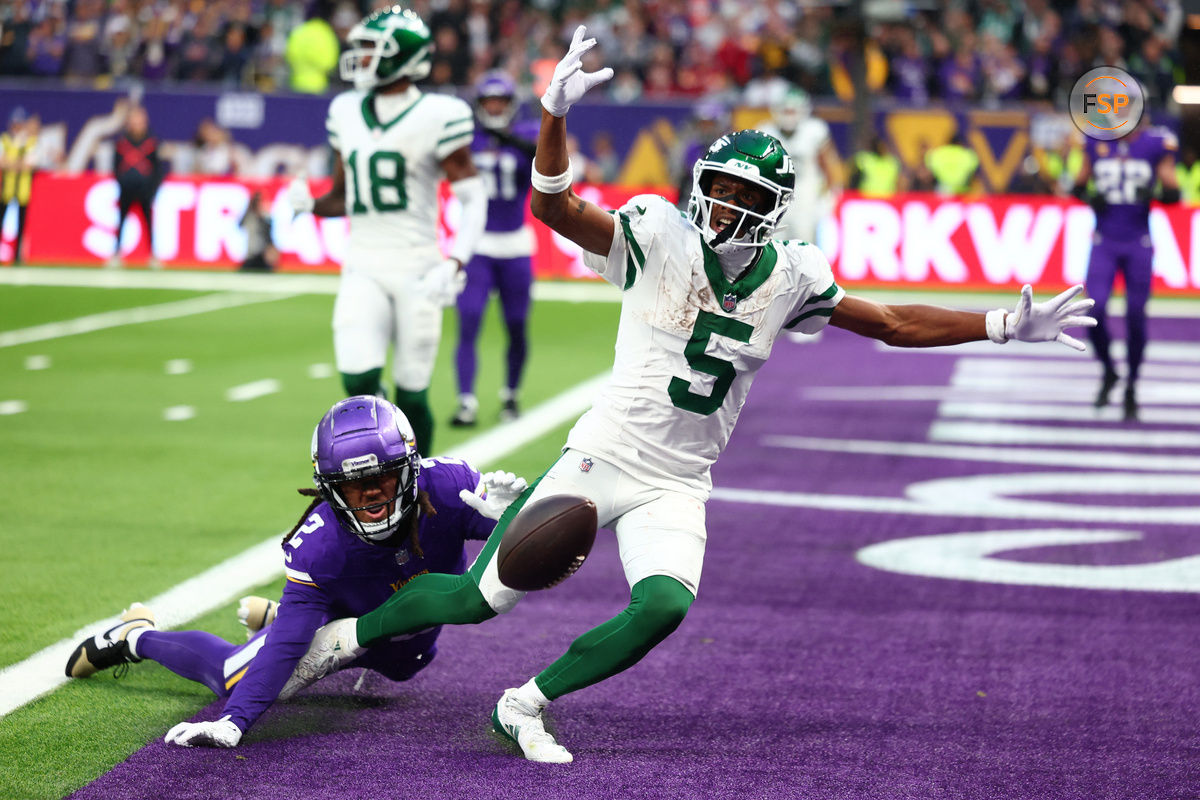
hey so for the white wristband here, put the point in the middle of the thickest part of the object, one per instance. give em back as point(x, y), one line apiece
point(551, 184)
point(995, 325)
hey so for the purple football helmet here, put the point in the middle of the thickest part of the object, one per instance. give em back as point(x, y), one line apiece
point(496, 83)
point(364, 437)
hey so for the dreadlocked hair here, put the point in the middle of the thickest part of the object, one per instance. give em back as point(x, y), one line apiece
point(311, 507)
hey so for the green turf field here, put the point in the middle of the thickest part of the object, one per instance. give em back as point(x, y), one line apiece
point(106, 501)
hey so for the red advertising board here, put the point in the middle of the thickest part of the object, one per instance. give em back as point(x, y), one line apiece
point(913, 240)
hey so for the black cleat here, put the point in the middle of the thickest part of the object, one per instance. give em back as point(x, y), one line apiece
point(109, 649)
point(1106, 386)
point(509, 410)
point(1131, 404)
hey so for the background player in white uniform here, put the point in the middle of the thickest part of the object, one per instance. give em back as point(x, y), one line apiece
point(392, 146)
point(815, 160)
point(705, 297)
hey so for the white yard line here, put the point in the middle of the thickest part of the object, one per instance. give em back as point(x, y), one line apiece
point(43, 672)
point(133, 316)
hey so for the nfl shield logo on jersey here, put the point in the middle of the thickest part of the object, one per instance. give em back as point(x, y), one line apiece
point(586, 465)
point(402, 557)
point(729, 302)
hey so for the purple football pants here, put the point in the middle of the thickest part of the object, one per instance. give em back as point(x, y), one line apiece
point(1133, 259)
point(512, 279)
point(202, 657)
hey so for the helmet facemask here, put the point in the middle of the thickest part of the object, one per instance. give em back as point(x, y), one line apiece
point(755, 158)
point(368, 438)
point(495, 85)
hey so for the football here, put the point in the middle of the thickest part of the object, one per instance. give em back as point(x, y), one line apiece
point(546, 542)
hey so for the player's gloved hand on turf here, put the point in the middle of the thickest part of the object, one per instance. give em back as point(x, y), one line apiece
point(220, 733)
point(502, 489)
point(1042, 322)
point(298, 195)
point(570, 82)
point(444, 283)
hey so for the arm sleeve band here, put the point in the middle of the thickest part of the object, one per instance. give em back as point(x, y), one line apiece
point(473, 196)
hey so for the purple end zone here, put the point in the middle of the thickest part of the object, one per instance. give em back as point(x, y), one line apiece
point(800, 672)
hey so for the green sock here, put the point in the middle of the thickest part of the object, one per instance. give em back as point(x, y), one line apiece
point(425, 601)
point(657, 605)
point(415, 406)
point(362, 383)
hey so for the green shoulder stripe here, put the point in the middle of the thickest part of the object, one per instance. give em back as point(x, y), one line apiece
point(635, 260)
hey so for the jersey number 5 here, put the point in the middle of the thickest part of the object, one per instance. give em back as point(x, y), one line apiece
point(385, 178)
point(708, 324)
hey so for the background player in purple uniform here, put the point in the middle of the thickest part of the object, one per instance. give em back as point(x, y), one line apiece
point(1123, 174)
point(503, 154)
point(382, 516)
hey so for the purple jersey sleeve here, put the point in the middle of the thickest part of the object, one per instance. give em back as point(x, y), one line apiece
point(330, 573)
point(506, 172)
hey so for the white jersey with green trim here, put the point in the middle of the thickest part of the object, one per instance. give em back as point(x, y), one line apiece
point(690, 342)
point(393, 169)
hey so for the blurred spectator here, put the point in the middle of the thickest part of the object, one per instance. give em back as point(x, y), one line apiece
point(14, 41)
point(214, 149)
point(235, 56)
point(959, 75)
point(199, 52)
point(909, 71)
point(152, 63)
point(1003, 71)
point(312, 54)
point(709, 120)
point(18, 150)
point(1188, 170)
point(1153, 66)
point(83, 59)
point(876, 171)
point(261, 253)
point(605, 158)
point(953, 166)
point(139, 171)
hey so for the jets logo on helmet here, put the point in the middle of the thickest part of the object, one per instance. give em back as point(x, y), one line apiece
point(390, 44)
point(751, 156)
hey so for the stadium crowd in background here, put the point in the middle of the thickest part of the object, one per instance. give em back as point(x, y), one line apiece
point(979, 51)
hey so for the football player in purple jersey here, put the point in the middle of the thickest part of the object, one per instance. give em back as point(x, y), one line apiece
point(1123, 173)
point(503, 154)
point(381, 516)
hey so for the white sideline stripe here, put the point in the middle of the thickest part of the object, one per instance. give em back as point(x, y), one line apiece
point(1008, 433)
point(281, 283)
point(979, 367)
point(1065, 412)
point(196, 596)
point(1172, 392)
point(1161, 393)
point(1093, 459)
point(252, 390)
point(8, 407)
point(970, 507)
point(43, 671)
point(1155, 350)
point(132, 316)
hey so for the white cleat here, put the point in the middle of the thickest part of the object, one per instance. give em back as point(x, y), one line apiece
point(333, 647)
point(256, 613)
point(521, 722)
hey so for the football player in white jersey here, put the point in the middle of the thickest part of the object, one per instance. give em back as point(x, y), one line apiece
point(705, 297)
point(814, 159)
point(392, 146)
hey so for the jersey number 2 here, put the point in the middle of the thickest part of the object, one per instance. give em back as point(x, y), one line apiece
point(385, 174)
point(708, 324)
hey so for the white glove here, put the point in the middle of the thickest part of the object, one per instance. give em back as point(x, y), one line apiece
point(299, 197)
point(570, 82)
point(502, 489)
point(1042, 322)
point(444, 283)
point(221, 733)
